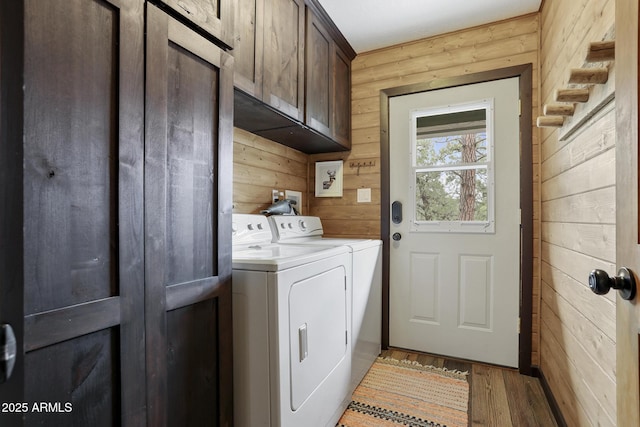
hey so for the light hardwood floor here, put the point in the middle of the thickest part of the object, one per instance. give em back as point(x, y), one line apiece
point(499, 397)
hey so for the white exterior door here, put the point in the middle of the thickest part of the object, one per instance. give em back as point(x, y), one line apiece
point(455, 254)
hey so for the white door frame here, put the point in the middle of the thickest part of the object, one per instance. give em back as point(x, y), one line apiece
point(524, 72)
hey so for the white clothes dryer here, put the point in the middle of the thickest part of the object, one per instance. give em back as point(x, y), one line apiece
point(366, 320)
point(291, 328)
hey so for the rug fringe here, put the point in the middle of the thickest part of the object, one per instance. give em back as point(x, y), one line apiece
point(413, 363)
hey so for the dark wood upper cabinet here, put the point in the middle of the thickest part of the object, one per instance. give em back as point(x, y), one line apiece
point(269, 53)
point(328, 82)
point(213, 16)
point(292, 75)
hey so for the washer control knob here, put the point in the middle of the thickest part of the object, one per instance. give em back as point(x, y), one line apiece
point(303, 225)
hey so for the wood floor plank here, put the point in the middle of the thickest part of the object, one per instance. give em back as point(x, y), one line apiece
point(488, 390)
point(527, 402)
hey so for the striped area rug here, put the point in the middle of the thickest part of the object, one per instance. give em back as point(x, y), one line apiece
point(402, 392)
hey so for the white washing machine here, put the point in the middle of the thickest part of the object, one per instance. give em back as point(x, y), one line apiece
point(366, 284)
point(291, 312)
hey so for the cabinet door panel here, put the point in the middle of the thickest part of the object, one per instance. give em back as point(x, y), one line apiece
point(342, 99)
point(283, 57)
point(328, 78)
point(193, 376)
point(189, 101)
point(248, 42)
point(71, 155)
point(86, 369)
point(318, 76)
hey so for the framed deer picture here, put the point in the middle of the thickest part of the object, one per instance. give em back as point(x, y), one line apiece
point(329, 179)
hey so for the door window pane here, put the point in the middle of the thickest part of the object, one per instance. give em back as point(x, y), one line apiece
point(452, 170)
point(442, 140)
point(438, 195)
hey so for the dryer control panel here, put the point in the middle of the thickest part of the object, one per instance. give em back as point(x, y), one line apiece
point(289, 227)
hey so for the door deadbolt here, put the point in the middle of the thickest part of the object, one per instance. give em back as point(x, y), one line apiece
point(396, 212)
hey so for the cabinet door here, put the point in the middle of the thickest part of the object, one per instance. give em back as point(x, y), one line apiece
point(248, 43)
point(318, 73)
point(328, 78)
point(188, 152)
point(71, 279)
point(283, 56)
point(341, 90)
point(213, 16)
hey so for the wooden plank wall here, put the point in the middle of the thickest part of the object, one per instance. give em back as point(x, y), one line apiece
point(260, 165)
point(498, 45)
point(577, 328)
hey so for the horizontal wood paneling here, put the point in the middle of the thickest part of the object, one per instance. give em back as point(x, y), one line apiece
point(488, 47)
point(261, 165)
point(577, 327)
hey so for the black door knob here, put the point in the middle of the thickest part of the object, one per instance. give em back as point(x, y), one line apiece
point(396, 236)
point(625, 282)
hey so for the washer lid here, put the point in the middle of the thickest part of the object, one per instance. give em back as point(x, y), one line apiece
point(275, 257)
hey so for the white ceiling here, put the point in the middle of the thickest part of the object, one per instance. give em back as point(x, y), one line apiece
point(373, 24)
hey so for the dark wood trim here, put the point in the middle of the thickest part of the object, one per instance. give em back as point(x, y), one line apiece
point(184, 294)
point(130, 203)
point(526, 227)
point(385, 207)
point(155, 162)
point(524, 72)
point(11, 191)
point(70, 322)
point(225, 209)
point(553, 404)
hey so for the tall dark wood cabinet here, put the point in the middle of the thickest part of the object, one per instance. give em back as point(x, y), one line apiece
point(115, 205)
